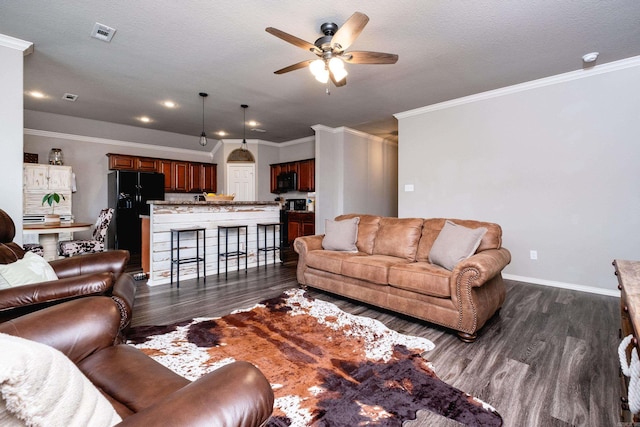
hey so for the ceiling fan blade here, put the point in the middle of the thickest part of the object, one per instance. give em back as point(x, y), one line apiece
point(337, 83)
point(369, 58)
point(294, 67)
point(349, 31)
point(291, 39)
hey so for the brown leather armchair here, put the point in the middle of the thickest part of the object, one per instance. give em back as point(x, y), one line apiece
point(91, 274)
point(142, 391)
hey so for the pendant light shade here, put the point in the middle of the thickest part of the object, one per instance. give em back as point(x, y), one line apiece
point(244, 123)
point(203, 136)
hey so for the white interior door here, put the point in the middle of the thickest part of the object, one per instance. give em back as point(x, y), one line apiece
point(241, 182)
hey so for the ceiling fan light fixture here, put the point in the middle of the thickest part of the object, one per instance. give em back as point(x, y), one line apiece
point(319, 70)
point(337, 69)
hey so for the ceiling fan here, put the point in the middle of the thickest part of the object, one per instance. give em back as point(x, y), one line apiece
point(331, 50)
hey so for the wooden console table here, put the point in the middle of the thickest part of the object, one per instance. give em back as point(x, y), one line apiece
point(628, 273)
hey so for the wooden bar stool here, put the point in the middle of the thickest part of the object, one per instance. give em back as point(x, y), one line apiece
point(177, 260)
point(235, 253)
point(265, 248)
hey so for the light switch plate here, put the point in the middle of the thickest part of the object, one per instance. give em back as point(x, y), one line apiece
point(408, 187)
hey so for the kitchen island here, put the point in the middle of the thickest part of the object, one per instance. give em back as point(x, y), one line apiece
point(165, 215)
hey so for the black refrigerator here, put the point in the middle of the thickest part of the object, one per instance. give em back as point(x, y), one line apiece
point(128, 195)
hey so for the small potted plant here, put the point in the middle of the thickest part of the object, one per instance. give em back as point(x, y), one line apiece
point(52, 199)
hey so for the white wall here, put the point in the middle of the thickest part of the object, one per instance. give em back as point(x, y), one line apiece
point(554, 162)
point(355, 173)
point(11, 124)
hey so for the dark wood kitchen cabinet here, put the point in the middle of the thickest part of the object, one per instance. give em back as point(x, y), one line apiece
point(209, 177)
point(307, 175)
point(304, 169)
point(179, 176)
point(300, 224)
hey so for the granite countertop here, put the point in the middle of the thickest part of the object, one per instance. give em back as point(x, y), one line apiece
point(216, 202)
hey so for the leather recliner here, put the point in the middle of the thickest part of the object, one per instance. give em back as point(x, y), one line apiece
point(86, 275)
point(141, 390)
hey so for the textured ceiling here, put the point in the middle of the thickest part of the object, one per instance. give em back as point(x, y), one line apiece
point(174, 50)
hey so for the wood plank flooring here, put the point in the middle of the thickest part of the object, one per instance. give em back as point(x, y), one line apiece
point(548, 359)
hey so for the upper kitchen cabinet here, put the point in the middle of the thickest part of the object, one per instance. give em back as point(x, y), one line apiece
point(132, 163)
point(305, 174)
point(179, 176)
point(209, 177)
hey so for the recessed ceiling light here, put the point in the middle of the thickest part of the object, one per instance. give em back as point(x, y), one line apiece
point(221, 133)
point(252, 123)
point(144, 119)
point(37, 94)
point(169, 104)
point(590, 57)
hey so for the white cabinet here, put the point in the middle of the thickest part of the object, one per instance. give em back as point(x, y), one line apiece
point(39, 180)
point(47, 177)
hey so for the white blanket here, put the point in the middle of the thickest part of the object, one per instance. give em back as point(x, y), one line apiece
point(40, 386)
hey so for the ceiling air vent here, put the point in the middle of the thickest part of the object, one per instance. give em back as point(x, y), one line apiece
point(102, 32)
point(69, 97)
point(258, 130)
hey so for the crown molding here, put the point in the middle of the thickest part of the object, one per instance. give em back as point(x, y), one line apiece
point(17, 44)
point(94, 140)
point(534, 84)
point(344, 129)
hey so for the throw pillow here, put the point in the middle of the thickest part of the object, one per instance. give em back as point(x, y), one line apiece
point(454, 244)
point(40, 386)
point(30, 269)
point(341, 235)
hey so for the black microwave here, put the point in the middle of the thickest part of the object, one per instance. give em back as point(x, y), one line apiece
point(287, 181)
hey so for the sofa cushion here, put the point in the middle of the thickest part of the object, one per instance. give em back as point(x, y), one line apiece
point(454, 244)
point(431, 228)
point(31, 268)
point(330, 261)
point(372, 268)
point(398, 237)
point(40, 386)
point(367, 230)
point(422, 277)
point(341, 235)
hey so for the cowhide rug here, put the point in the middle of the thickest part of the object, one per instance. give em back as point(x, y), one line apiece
point(326, 367)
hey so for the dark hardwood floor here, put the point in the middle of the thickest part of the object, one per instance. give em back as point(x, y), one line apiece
point(549, 358)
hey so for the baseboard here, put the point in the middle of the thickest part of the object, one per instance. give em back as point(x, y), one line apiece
point(563, 285)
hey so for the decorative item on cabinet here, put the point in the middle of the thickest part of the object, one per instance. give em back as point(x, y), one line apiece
point(56, 157)
point(30, 158)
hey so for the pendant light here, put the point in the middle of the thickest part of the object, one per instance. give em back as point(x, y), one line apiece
point(203, 136)
point(244, 123)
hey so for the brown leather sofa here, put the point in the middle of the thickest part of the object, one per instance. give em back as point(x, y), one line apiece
point(392, 270)
point(80, 276)
point(142, 391)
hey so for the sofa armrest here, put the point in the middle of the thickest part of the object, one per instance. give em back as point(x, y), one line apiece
point(237, 394)
point(112, 261)
point(303, 245)
point(55, 290)
point(477, 289)
point(124, 294)
point(486, 265)
point(77, 328)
